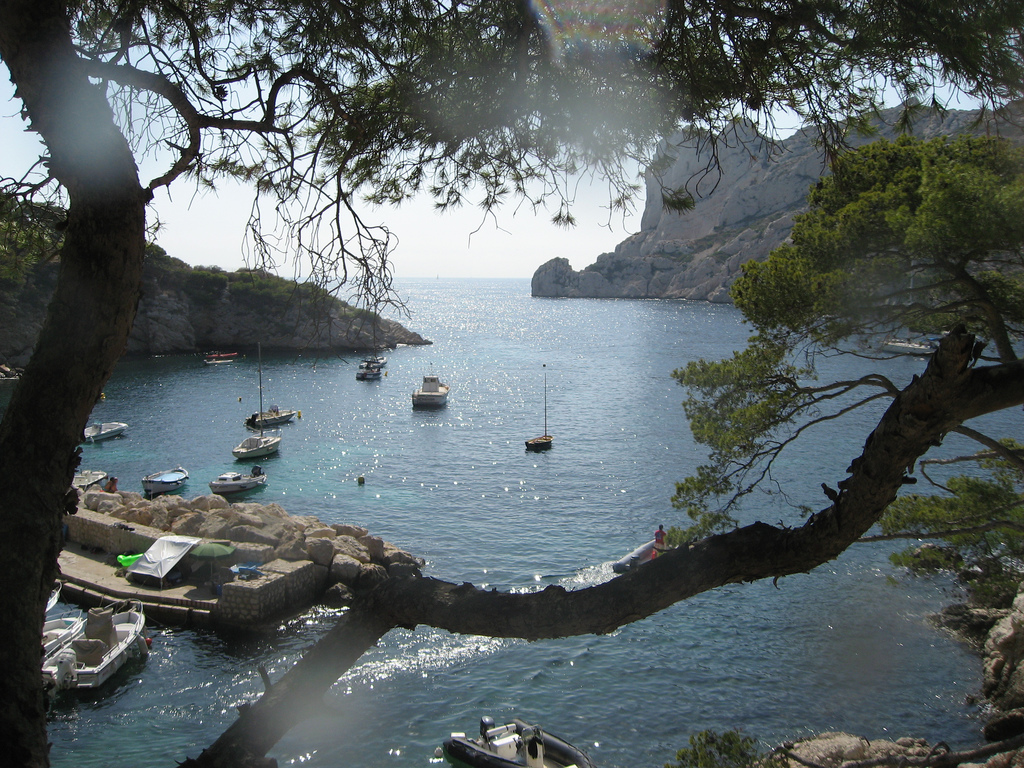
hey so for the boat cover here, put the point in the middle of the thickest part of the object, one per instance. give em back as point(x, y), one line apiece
point(163, 555)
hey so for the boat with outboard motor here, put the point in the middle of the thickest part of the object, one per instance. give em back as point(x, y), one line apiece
point(236, 482)
point(513, 745)
point(108, 641)
point(369, 370)
point(642, 554)
point(271, 417)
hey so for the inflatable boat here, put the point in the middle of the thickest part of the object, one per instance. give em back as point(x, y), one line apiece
point(642, 554)
point(513, 745)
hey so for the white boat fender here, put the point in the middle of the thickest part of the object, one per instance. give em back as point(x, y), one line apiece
point(143, 644)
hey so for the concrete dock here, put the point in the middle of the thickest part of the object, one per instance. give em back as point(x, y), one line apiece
point(90, 580)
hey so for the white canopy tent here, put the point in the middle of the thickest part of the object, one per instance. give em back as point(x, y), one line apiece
point(163, 555)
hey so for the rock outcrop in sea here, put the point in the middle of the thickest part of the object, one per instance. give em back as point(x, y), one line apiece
point(742, 212)
point(192, 310)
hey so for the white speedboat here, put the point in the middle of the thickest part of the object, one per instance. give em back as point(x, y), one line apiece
point(270, 417)
point(110, 639)
point(257, 446)
point(514, 745)
point(236, 482)
point(432, 394)
point(59, 632)
point(164, 482)
point(108, 429)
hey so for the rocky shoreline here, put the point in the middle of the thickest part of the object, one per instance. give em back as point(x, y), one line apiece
point(352, 558)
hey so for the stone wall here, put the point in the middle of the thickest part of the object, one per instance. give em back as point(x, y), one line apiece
point(283, 588)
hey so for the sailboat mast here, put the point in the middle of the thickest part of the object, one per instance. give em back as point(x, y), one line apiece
point(259, 352)
point(545, 401)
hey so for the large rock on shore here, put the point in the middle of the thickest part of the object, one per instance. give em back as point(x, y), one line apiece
point(741, 214)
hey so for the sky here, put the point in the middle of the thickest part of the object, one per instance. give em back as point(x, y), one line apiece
point(208, 229)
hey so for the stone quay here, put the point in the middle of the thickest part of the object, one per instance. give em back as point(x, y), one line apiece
point(290, 562)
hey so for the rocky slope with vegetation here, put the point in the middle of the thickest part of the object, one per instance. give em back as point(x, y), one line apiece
point(194, 309)
point(742, 211)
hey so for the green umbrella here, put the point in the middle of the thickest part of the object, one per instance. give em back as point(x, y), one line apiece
point(212, 550)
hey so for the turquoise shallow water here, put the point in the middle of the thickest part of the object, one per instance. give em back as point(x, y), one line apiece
point(845, 647)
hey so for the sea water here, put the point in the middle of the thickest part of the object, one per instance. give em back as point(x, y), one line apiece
point(846, 647)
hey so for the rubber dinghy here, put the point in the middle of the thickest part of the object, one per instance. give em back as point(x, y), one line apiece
point(513, 745)
point(642, 554)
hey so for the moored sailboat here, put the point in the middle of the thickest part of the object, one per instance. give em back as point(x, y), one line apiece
point(543, 442)
point(256, 447)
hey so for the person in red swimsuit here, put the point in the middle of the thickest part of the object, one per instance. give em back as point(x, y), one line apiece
point(659, 537)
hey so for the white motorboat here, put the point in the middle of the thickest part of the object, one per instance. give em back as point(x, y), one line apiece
point(271, 417)
point(514, 745)
point(257, 446)
point(164, 482)
point(109, 640)
point(369, 371)
point(108, 429)
point(87, 478)
point(59, 632)
point(909, 346)
point(215, 358)
point(236, 482)
point(432, 394)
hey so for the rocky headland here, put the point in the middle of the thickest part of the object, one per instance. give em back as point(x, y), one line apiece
point(193, 310)
point(742, 212)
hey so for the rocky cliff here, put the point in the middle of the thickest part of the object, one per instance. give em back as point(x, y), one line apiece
point(185, 309)
point(742, 212)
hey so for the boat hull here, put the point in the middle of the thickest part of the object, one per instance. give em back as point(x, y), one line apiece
point(541, 443)
point(270, 419)
point(69, 668)
point(642, 554)
point(243, 483)
point(164, 482)
point(256, 447)
point(96, 432)
point(463, 752)
point(429, 400)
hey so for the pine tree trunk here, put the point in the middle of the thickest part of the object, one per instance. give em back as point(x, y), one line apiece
point(84, 334)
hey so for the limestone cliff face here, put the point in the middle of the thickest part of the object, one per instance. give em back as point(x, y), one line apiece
point(742, 212)
point(186, 311)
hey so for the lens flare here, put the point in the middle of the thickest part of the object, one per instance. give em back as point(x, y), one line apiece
point(577, 27)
